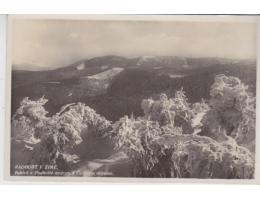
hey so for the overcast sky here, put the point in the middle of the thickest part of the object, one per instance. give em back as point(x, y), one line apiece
point(56, 43)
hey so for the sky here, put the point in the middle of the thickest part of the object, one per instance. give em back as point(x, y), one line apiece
point(46, 44)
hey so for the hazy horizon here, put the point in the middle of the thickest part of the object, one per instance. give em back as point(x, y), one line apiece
point(31, 67)
point(49, 44)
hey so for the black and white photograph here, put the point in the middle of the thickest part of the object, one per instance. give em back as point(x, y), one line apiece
point(133, 97)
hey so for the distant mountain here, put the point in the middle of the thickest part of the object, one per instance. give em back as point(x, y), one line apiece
point(82, 68)
point(114, 86)
point(161, 64)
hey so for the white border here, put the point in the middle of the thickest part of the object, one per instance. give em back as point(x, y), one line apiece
point(3, 23)
point(129, 17)
point(129, 7)
point(84, 180)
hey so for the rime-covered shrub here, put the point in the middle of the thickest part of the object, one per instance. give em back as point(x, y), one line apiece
point(165, 152)
point(72, 119)
point(29, 116)
point(134, 138)
point(175, 111)
point(232, 111)
point(52, 139)
point(159, 146)
point(196, 156)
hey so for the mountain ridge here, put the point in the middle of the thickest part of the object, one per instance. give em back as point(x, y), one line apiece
point(120, 93)
point(73, 64)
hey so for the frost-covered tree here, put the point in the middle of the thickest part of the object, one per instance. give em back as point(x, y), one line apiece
point(50, 140)
point(159, 146)
point(194, 156)
point(232, 112)
point(175, 111)
point(165, 152)
point(134, 137)
point(29, 116)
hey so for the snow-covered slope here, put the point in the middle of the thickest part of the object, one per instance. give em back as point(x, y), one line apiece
point(98, 83)
point(108, 74)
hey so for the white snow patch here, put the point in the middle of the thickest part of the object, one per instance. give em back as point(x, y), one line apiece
point(107, 74)
point(81, 66)
point(176, 75)
point(196, 121)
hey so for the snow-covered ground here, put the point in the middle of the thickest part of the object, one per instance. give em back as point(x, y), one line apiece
point(107, 74)
point(81, 66)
